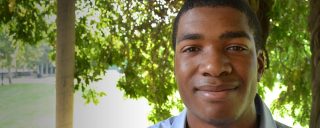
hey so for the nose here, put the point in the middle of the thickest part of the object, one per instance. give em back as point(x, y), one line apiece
point(214, 63)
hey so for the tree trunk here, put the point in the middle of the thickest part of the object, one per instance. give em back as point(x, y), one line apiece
point(65, 63)
point(314, 28)
point(2, 78)
point(9, 75)
point(262, 8)
point(9, 64)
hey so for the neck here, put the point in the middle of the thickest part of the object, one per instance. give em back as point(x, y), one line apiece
point(247, 120)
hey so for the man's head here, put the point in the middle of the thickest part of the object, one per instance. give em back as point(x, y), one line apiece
point(253, 21)
point(217, 62)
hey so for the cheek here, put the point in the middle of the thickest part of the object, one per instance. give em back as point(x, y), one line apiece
point(248, 71)
point(183, 69)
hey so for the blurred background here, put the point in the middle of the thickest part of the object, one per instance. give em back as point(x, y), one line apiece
point(124, 62)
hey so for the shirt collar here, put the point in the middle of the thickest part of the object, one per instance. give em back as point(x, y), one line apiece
point(266, 120)
point(180, 121)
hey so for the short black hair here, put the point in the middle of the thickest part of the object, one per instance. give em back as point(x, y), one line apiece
point(239, 5)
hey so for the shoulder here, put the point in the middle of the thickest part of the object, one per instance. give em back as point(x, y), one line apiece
point(173, 122)
point(164, 124)
point(281, 125)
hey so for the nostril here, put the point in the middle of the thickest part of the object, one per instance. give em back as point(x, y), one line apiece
point(206, 74)
point(224, 73)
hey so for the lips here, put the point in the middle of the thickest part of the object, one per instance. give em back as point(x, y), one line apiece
point(220, 88)
point(215, 84)
point(216, 91)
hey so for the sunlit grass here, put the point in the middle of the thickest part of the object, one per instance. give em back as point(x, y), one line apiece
point(33, 106)
point(27, 106)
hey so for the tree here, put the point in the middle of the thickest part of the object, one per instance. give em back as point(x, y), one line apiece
point(65, 63)
point(6, 54)
point(290, 59)
point(314, 28)
point(31, 56)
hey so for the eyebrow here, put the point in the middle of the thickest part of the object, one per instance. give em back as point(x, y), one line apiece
point(190, 37)
point(234, 34)
point(224, 36)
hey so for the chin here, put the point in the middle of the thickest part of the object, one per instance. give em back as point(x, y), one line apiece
point(219, 116)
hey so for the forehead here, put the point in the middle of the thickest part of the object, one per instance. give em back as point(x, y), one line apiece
point(220, 13)
point(207, 10)
point(208, 19)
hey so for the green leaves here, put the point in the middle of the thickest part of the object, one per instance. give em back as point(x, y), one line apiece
point(128, 36)
point(290, 59)
point(6, 50)
point(142, 32)
point(91, 95)
point(26, 19)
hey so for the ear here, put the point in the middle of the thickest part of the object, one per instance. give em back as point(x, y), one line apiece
point(261, 63)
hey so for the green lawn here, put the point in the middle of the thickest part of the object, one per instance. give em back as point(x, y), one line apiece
point(27, 106)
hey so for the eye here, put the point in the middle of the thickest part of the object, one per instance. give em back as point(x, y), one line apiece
point(236, 48)
point(191, 49)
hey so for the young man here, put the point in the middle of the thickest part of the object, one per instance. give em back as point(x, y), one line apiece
point(218, 62)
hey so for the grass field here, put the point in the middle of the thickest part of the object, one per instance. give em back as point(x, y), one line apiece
point(27, 106)
point(33, 106)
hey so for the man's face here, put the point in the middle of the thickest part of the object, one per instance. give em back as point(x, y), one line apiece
point(216, 64)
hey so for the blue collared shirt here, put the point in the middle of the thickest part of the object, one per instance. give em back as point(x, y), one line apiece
point(265, 117)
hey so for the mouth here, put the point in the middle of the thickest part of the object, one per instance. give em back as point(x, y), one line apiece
point(209, 88)
point(216, 93)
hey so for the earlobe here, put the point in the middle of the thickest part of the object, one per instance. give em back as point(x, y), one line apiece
point(261, 63)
